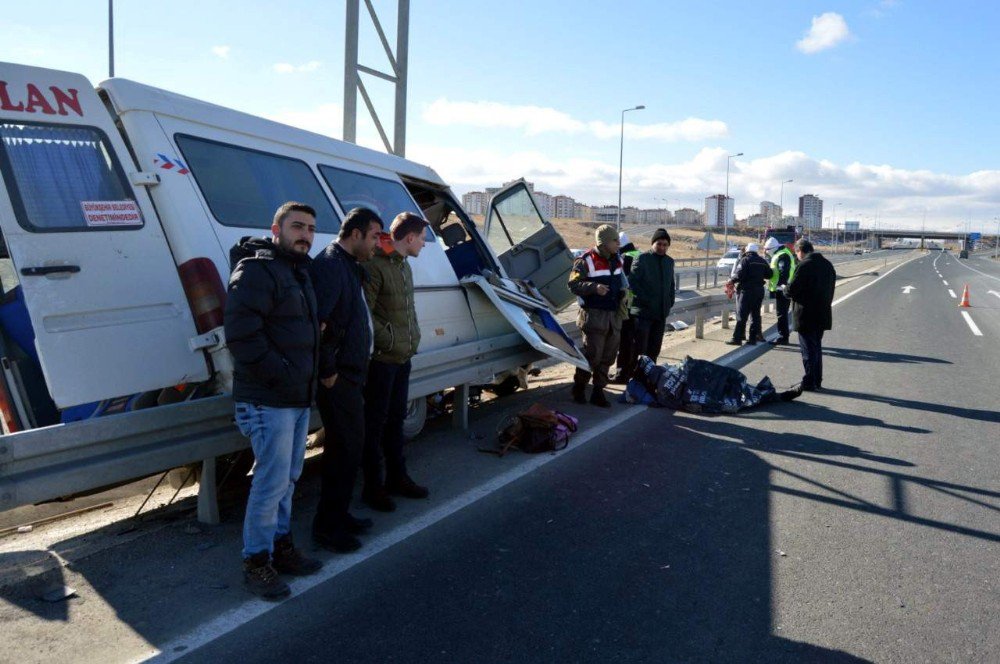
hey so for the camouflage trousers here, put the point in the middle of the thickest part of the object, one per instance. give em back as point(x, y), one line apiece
point(601, 335)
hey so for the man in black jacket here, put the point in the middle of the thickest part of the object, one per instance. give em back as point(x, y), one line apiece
point(749, 276)
point(811, 292)
point(272, 333)
point(652, 281)
point(345, 350)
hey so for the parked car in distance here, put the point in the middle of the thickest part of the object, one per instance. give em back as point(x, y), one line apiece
point(858, 252)
point(728, 259)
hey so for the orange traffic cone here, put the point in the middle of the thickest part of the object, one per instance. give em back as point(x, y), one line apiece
point(965, 297)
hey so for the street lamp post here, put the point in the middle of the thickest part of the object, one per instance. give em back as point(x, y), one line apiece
point(621, 157)
point(835, 225)
point(725, 210)
point(996, 240)
point(781, 199)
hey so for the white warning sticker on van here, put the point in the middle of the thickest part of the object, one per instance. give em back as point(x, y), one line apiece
point(111, 213)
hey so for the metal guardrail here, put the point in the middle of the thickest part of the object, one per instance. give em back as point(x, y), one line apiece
point(65, 459)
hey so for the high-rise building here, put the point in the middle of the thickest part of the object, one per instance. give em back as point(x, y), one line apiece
point(546, 204)
point(687, 217)
point(770, 211)
point(474, 202)
point(565, 207)
point(719, 211)
point(811, 211)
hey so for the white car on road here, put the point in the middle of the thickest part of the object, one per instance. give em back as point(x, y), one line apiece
point(728, 260)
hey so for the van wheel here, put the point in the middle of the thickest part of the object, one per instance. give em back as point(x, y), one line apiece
point(416, 417)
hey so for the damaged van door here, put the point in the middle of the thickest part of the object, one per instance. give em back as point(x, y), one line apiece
point(106, 305)
point(528, 246)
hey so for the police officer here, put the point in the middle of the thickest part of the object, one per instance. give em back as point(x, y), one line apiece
point(749, 277)
point(599, 283)
point(782, 270)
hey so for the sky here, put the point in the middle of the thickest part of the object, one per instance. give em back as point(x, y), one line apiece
point(883, 108)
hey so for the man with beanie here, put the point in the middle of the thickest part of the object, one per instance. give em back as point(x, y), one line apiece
point(652, 282)
point(782, 271)
point(749, 277)
point(626, 346)
point(599, 284)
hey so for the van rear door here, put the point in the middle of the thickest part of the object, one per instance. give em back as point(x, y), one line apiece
point(109, 313)
point(528, 246)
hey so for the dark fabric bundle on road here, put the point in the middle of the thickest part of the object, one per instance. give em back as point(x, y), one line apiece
point(699, 386)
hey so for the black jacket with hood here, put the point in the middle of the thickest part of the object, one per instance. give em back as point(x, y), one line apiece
point(272, 328)
point(346, 346)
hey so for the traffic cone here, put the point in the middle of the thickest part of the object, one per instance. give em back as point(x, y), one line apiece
point(965, 297)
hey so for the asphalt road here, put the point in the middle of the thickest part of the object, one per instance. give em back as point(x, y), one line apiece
point(855, 524)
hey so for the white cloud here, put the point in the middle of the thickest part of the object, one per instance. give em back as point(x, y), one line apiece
point(827, 31)
point(899, 195)
point(535, 120)
point(326, 119)
point(222, 51)
point(287, 68)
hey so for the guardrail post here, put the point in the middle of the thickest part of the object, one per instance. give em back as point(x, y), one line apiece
point(725, 317)
point(699, 325)
point(208, 502)
point(697, 280)
point(460, 412)
point(715, 279)
point(677, 282)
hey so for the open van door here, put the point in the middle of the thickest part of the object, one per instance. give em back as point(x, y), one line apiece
point(108, 312)
point(528, 246)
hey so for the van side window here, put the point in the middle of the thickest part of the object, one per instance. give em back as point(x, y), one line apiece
point(52, 170)
point(244, 187)
point(386, 198)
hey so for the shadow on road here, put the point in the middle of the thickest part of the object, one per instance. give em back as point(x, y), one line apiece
point(805, 410)
point(944, 409)
point(877, 356)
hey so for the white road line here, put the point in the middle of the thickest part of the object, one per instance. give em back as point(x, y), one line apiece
point(952, 293)
point(873, 281)
point(944, 282)
point(966, 265)
point(254, 608)
point(972, 324)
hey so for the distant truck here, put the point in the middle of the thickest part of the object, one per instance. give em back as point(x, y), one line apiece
point(118, 206)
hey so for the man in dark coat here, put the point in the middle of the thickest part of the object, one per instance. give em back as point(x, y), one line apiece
point(749, 276)
point(652, 282)
point(626, 344)
point(345, 350)
point(272, 333)
point(811, 293)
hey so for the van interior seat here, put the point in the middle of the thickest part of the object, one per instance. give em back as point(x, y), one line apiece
point(452, 235)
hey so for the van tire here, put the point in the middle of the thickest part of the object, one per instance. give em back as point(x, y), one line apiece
point(416, 417)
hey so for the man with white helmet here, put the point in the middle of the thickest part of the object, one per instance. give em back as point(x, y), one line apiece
point(749, 277)
point(782, 270)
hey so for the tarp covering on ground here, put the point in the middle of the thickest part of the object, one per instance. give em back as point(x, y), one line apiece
point(699, 386)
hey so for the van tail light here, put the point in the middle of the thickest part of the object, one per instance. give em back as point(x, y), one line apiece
point(205, 293)
point(11, 422)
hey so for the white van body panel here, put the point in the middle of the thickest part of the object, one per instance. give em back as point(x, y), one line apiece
point(106, 320)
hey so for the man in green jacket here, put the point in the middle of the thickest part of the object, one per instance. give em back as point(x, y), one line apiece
point(652, 283)
point(389, 292)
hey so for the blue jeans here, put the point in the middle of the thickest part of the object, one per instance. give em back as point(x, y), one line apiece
point(278, 439)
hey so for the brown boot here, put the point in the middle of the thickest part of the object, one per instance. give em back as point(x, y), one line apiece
point(260, 577)
point(377, 498)
point(598, 398)
point(289, 560)
point(403, 485)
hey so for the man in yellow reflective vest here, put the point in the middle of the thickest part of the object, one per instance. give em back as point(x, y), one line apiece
point(783, 265)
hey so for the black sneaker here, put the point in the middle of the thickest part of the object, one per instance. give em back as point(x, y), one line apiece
point(779, 341)
point(579, 393)
point(289, 560)
point(377, 498)
point(337, 540)
point(260, 577)
point(404, 486)
point(734, 342)
point(598, 399)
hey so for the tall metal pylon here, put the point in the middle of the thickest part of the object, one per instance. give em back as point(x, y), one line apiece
point(353, 82)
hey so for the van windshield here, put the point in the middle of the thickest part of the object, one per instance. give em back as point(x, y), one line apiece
point(54, 172)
